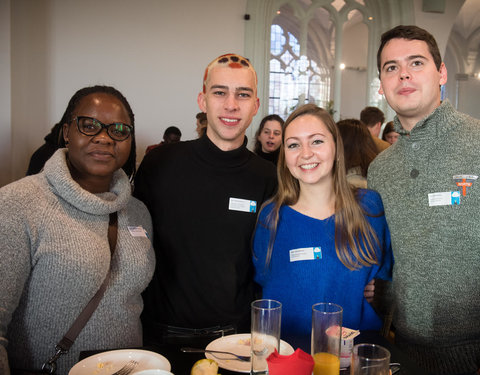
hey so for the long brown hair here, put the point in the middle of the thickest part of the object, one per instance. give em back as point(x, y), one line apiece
point(355, 239)
point(358, 145)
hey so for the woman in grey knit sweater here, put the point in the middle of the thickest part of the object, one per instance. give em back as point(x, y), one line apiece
point(54, 241)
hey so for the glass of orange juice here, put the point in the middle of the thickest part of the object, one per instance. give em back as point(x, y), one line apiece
point(326, 338)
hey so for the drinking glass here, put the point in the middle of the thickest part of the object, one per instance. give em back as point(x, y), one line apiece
point(326, 338)
point(370, 359)
point(266, 320)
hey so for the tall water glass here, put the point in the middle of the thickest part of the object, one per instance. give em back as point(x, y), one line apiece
point(370, 359)
point(266, 320)
point(326, 338)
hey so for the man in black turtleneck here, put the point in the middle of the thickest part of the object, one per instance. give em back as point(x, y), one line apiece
point(204, 196)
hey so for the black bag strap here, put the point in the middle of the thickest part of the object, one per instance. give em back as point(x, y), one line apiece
point(67, 341)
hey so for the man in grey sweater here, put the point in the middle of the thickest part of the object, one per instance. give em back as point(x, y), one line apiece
point(428, 183)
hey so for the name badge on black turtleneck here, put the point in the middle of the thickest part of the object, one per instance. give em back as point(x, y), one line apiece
point(244, 205)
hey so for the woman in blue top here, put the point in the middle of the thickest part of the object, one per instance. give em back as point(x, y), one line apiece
point(319, 239)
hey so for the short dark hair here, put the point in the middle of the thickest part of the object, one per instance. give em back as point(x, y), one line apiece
point(410, 32)
point(371, 115)
point(258, 145)
point(67, 118)
point(172, 130)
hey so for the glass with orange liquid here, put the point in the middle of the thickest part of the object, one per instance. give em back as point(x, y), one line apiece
point(326, 338)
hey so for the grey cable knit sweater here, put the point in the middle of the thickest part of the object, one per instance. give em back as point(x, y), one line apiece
point(436, 277)
point(54, 255)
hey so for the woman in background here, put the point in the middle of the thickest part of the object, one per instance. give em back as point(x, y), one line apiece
point(269, 137)
point(359, 150)
point(389, 133)
point(319, 239)
point(201, 124)
point(56, 233)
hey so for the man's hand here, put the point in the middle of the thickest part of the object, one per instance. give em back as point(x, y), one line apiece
point(369, 291)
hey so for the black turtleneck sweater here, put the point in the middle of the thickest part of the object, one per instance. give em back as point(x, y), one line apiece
point(204, 273)
point(270, 156)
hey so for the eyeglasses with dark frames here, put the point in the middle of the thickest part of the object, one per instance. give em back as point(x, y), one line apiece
point(90, 126)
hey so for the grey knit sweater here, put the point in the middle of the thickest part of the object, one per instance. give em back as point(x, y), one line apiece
point(436, 277)
point(54, 255)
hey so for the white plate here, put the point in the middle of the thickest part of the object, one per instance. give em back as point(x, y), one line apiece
point(238, 344)
point(107, 363)
point(153, 372)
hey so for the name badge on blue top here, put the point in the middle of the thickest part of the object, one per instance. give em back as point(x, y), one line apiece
point(306, 253)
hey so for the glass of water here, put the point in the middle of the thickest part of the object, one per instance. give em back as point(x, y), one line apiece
point(266, 320)
point(370, 359)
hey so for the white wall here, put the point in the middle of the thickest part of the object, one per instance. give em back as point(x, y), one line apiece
point(438, 24)
point(468, 94)
point(5, 114)
point(354, 55)
point(154, 51)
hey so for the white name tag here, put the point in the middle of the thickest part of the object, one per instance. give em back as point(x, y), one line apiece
point(137, 231)
point(305, 253)
point(244, 205)
point(446, 198)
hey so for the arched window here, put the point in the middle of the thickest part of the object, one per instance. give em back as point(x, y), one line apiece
point(299, 74)
point(294, 78)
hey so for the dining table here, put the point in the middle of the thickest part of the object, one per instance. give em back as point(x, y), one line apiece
point(182, 362)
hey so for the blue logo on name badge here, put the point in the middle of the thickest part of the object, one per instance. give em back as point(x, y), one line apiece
point(317, 253)
point(455, 197)
point(253, 206)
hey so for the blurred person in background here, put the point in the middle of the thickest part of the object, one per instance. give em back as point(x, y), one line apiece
point(268, 138)
point(389, 134)
point(359, 150)
point(373, 118)
point(201, 123)
point(53, 141)
point(172, 134)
